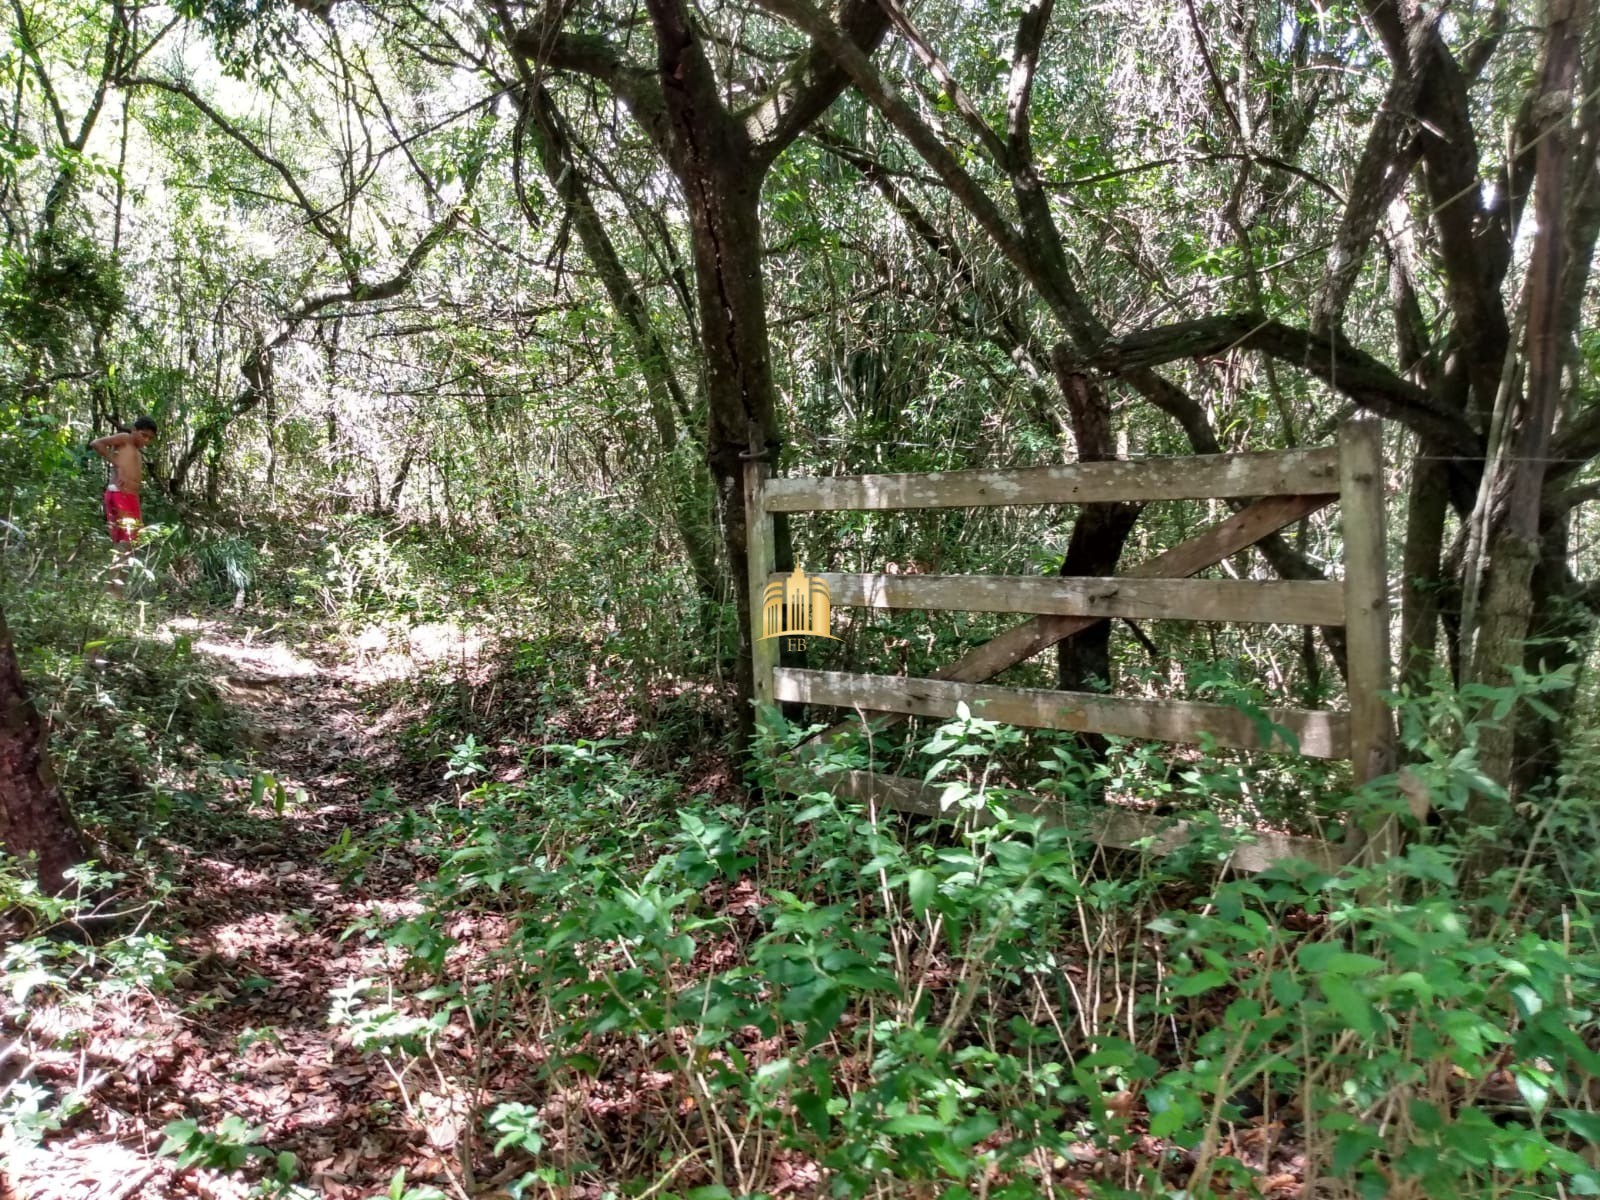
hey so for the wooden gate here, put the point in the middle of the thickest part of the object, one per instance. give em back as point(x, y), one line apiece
point(1284, 486)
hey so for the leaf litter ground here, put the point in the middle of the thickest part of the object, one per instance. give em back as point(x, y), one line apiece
point(257, 918)
point(260, 920)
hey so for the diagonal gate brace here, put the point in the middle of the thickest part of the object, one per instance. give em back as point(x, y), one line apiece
point(1021, 642)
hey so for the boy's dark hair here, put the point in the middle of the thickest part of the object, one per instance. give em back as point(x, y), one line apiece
point(145, 423)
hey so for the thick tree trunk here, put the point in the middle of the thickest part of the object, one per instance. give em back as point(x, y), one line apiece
point(34, 818)
point(1083, 663)
point(742, 410)
point(720, 159)
point(1519, 473)
point(1420, 583)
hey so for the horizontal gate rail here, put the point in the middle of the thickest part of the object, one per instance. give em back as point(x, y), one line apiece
point(1022, 642)
point(1317, 734)
point(1293, 602)
point(1212, 477)
point(1118, 828)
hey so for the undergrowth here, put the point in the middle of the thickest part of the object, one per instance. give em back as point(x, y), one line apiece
point(717, 1000)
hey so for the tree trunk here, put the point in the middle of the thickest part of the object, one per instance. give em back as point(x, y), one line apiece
point(34, 818)
point(1083, 663)
point(1559, 634)
point(1520, 471)
point(1420, 581)
point(397, 487)
point(214, 476)
point(1098, 536)
point(741, 410)
point(720, 159)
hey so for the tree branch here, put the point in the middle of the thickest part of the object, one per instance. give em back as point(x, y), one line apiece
point(1053, 284)
point(1265, 160)
point(545, 44)
point(30, 48)
point(315, 214)
point(1217, 85)
point(1450, 158)
point(257, 367)
point(1010, 333)
point(1386, 162)
point(927, 143)
point(936, 67)
point(1328, 356)
point(811, 84)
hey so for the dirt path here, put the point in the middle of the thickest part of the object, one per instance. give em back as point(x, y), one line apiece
point(257, 917)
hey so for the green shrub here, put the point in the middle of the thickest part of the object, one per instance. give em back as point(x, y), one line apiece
point(983, 1005)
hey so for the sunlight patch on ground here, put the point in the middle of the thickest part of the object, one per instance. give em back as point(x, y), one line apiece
point(269, 658)
point(395, 650)
point(92, 1168)
point(272, 659)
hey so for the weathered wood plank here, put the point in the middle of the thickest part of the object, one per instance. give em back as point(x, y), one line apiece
point(1319, 734)
point(1208, 477)
point(761, 550)
point(1305, 602)
point(1366, 584)
point(1115, 827)
point(1021, 642)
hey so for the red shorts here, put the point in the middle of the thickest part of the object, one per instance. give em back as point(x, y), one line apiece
point(122, 514)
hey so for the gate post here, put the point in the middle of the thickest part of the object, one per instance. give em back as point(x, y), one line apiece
point(1366, 596)
point(760, 550)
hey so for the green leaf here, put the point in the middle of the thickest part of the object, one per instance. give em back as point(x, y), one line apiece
point(1585, 1124)
point(1426, 1116)
point(1535, 1090)
point(920, 885)
point(1286, 988)
point(1327, 958)
point(974, 1129)
point(1167, 1122)
point(1353, 965)
point(774, 1074)
point(825, 1011)
point(1353, 1146)
point(1349, 1004)
point(914, 1123)
point(814, 1109)
point(179, 1134)
point(1205, 981)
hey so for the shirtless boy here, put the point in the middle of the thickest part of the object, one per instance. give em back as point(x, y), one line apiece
point(121, 450)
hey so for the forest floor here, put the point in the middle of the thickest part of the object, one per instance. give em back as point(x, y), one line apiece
point(275, 911)
point(278, 899)
point(229, 1075)
point(260, 917)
